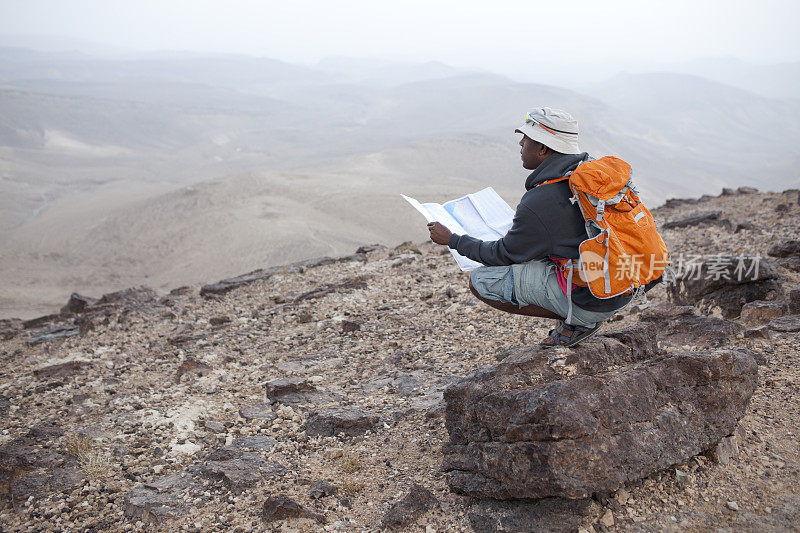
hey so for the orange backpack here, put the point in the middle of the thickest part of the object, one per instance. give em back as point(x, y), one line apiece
point(623, 251)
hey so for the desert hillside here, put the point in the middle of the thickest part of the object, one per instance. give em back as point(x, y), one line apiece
point(319, 395)
point(172, 169)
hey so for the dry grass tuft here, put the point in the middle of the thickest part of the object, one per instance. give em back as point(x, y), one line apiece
point(94, 461)
point(351, 488)
point(351, 464)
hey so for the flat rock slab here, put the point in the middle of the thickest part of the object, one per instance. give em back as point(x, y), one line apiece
point(54, 334)
point(409, 508)
point(725, 281)
point(333, 421)
point(555, 515)
point(786, 324)
point(537, 426)
point(239, 469)
point(160, 500)
point(282, 507)
point(685, 328)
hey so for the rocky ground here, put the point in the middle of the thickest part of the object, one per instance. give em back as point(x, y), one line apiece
point(309, 398)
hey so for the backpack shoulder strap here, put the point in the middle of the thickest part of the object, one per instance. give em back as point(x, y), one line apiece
point(555, 180)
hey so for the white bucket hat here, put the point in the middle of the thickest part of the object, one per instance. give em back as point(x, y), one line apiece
point(553, 128)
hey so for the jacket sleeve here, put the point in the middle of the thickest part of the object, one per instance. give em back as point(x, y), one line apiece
point(527, 239)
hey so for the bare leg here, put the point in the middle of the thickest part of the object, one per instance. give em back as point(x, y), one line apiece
point(528, 310)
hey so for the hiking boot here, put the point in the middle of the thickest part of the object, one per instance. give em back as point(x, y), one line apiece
point(568, 335)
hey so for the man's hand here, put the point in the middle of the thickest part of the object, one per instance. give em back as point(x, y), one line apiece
point(439, 233)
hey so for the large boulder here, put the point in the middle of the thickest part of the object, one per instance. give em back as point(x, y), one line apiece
point(570, 423)
point(728, 282)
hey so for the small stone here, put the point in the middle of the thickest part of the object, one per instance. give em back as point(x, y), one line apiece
point(725, 450)
point(214, 426)
point(348, 326)
point(623, 496)
point(258, 411)
point(336, 453)
point(405, 512)
point(760, 311)
point(760, 332)
point(733, 506)
point(332, 421)
point(322, 488)
point(786, 324)
point(607, 520)
point(282, 507)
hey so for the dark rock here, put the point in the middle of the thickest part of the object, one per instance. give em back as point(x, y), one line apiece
point(219, 320)
point(281, 387)
point(405, 512)
point(761, 332)
point(29, 484)
point(258, 411)
point(5, 404)
point(676, 202)
point(332, 421)
point(743, 225)
point(726, 191)
point(693, 220)
point(666, 311)
point(322, 488)
point(786, 324)
point(214, 427)
point(526, 429)
point(61, 370)
point(785, 249)
point(761, 312)
point(227, 285)
point(725, 281)
point(302, 266)
point(160, 500)
point(66, 479)
point(746, 190)
point(192, 367)
point(10, 328)
point(45, 432)
point(790, 263)
point(54, 334)
point(781, 208)
point(408, 246)
point(358, 282)
point(239, 469)
point(358, 258)
point(550, 514)
point(181, 291)
point(794, 301)
point(349, 326)
point(243, 472)
point(255, 443)
point(132, 297)
point(282, 507)
point(25, 469)
point(700, 331)
point(78, 304)
point(42, 321)
point(370, 248)
point(305, 317)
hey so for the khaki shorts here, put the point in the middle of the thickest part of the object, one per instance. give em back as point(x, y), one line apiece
point(531, 283)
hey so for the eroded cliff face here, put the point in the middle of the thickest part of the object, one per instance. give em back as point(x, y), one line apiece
point(313, 396)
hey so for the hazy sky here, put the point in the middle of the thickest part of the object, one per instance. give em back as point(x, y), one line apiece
point(498, 35)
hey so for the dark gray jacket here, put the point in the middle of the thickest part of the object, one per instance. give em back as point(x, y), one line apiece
point(546, 224)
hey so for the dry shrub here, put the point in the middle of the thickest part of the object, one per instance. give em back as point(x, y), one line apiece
point(351, 488)
point(351, 464)
point(94, 461)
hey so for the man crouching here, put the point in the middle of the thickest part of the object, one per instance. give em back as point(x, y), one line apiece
point(522, 273)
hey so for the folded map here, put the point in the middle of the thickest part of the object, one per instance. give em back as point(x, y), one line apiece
point(483, 215)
